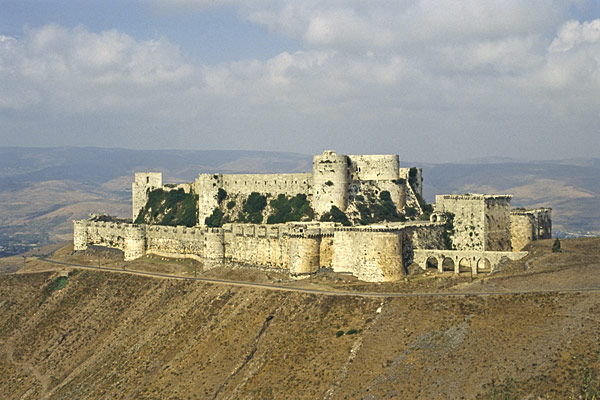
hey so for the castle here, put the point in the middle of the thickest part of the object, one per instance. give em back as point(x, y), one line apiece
point(470, 232)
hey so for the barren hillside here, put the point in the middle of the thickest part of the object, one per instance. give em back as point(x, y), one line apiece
point(108, 335)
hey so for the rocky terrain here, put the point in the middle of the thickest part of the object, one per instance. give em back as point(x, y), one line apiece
point(96, 334)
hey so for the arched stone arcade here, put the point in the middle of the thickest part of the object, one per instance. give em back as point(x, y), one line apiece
point(462, 261)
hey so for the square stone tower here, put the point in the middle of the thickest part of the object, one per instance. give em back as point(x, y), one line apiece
point(481, 222)
point(144, 183)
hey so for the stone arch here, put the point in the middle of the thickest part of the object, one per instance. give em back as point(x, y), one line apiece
point(448, 264)
point(464, 265)
point(484, 265)
point(431, 263)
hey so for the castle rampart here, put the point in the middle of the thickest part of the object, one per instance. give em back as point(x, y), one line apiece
point(373, 255)
point(477, 230)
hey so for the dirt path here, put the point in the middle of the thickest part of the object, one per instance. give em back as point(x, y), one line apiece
point(319, 291)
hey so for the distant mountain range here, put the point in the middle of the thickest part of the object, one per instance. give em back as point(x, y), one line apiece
point(43, 189)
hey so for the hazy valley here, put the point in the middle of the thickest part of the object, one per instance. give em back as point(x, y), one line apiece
point(43, 189)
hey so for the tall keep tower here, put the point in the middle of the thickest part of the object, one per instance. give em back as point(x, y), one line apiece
point(144, 183)
point(330, 181)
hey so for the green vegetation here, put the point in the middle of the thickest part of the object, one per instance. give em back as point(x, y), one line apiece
point(589, 386)
point(499, 391)
point(287, 209)
point(253, 208)
point(336, 215)
point(448, 231)
point(352, 332)
point(221, 195)
point(556, 246)
point(339, 333)
point(174, 207)
point(230, 204)
point(59, 283)
point(215, 220)
point(378, 209)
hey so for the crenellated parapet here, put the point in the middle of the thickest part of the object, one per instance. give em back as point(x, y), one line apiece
point(473, 230)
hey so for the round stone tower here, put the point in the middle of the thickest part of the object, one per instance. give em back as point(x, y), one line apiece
point(214, 248)
point(330, 182)
point(304, 254)
point(134, 245)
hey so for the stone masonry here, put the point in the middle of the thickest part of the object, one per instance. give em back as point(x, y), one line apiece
point(485, 230)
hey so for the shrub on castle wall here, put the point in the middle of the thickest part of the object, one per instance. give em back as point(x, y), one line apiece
point(221, 195)
point(215, 220)
point(336, 215)
point(172, 208)
point(448, 231)
point(378, 209)
point(285, 209)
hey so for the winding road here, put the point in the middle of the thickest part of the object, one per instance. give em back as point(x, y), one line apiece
point(317, 291)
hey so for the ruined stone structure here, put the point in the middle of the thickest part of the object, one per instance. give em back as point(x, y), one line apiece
point(528, 225)
point(483, 230)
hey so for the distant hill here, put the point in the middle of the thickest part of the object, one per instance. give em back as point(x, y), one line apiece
point(570, 187)
point(43, 189)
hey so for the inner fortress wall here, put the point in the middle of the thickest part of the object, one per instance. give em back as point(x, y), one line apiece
point(288, 184)
point(374, 167)
point(417, 181)
point(330, 182)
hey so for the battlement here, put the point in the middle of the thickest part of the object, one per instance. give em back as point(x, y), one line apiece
point(475, 229)
point(472, 197)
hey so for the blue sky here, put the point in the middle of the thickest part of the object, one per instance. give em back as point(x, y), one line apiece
point(429, 80)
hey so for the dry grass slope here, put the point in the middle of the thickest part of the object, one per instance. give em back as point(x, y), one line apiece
point(106, 335)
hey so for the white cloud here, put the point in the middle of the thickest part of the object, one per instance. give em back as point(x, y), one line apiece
point(76, 70)
point(574, 33)
point(495, 77)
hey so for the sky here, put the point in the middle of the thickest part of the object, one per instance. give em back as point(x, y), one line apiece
point(430, 80)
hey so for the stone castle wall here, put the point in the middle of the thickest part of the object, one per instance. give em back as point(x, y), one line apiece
point(374, 167)
point(528, 225)
point(481, 222)
point(144, 183)
point(370, 255)
point(299, 248)
point(497, 223)
point(262, 245)
point(382, 252)
point(334, 179)
point(330, 182)
point(207, 187)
